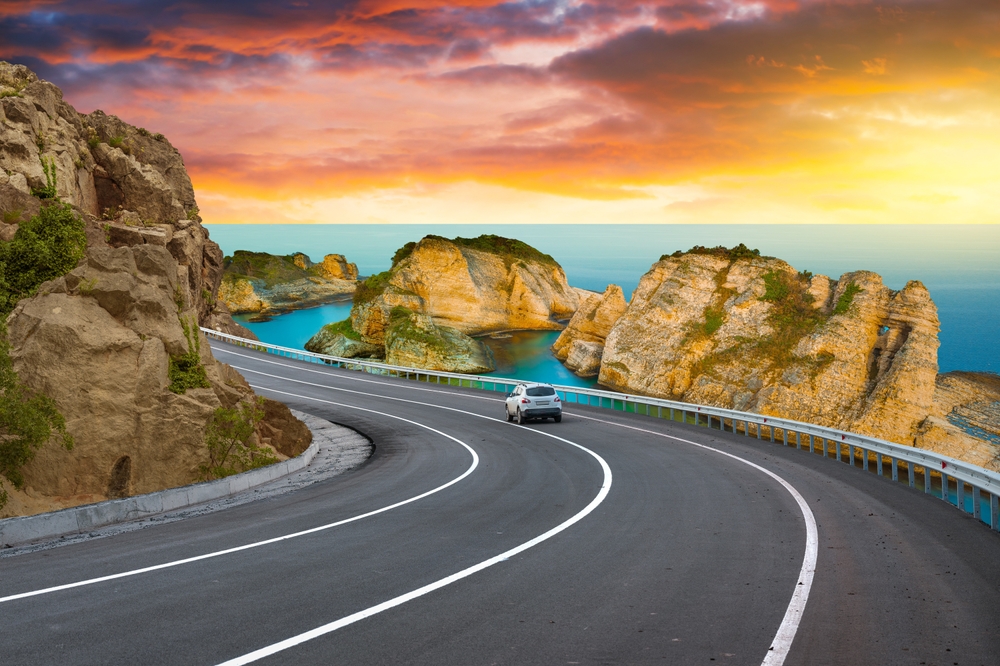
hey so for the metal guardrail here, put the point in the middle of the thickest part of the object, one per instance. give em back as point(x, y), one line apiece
point(970, 488)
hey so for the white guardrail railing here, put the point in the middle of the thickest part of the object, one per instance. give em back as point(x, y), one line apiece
point(970, 488)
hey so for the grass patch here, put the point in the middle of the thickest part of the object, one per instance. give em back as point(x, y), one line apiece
point(847, 298)
point(49, 191)
point(344, 328)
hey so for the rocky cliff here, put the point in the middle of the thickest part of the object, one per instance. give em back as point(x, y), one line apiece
point(266, 283)
point(581, 344)
point(454, 289)
point(115, 342)
point(734, 329)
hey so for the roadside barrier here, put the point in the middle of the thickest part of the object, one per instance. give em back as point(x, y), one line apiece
point(970, 488)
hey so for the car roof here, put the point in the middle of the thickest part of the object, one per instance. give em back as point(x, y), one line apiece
point(532, 384)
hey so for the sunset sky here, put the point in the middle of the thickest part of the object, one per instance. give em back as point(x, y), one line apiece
point(417, 111)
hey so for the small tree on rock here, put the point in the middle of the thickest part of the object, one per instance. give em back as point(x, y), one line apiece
point(229, 438)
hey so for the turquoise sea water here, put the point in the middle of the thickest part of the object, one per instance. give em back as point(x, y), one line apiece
point(959, 264)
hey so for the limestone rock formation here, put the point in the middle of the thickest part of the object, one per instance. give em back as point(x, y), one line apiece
point(476, 286)
point(261, 282)
point(581, 344)
point(965, 420)
point(338, 339)
point(413, 340)
point(106, 339)
point(737, 330)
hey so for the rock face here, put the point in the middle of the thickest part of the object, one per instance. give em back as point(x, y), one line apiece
point(965, 420)
point(464, 286)
point(473, 285)
point(737, 330)
point(101, 340)
point(338, 339)
point(261, 282)
point(413, 340)
point(581, 344)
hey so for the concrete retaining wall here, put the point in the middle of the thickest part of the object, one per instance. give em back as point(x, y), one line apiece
point(16, 531)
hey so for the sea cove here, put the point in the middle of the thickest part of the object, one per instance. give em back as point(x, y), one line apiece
point(960, 265)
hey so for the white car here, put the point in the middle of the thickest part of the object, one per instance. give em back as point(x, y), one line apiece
point(533, 401)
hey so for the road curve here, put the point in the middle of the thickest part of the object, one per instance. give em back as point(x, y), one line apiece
point(689, 556)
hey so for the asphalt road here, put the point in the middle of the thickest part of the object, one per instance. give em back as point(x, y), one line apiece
point(605, 539)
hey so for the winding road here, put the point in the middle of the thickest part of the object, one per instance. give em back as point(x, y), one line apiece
point(605, 539)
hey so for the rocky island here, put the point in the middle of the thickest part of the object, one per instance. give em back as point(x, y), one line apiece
point(440, 292)
point(265, 283)
point(104, 329)
point(731, 328)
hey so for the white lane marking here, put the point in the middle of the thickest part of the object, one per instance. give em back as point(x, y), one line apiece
point(328, 373)
point(257, 544)
point(782, 642)
point(427, 589)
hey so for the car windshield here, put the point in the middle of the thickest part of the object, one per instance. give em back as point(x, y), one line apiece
point(536, 391)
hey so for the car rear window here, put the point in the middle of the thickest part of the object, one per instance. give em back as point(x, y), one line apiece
point(536, 391)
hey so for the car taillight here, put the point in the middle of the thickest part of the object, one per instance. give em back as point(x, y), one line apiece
point(525, 401)
point(557, 398)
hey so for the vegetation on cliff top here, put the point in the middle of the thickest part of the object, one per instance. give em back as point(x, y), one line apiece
point(371, 287)
point(27, 421)
point(343, 328)
point(271, 269)
point(741, 251)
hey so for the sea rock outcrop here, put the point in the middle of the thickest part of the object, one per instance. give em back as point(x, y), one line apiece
point(457, 288)
point(339, 339)
point(737, 330)
point(413, 340)
point(106, 340)
point(965, 420)
point(581, 344)
point(261, 282)
point(478, 285)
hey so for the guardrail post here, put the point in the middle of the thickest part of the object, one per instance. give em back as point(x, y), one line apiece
point(759, 428)
point(944, 487)
point(927, 479)
point(960, 494)
point(798, 440)
point(659, 411)
point(850, 454)
point(895, 470)
point(864, 466)
point(911, 474)
point(995, 512)
point(812, 444)
point(784, 436)
point(976, 510)
point(837, 444)
point(878, 464)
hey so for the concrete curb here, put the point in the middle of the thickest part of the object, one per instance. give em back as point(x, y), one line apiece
point(21, 530)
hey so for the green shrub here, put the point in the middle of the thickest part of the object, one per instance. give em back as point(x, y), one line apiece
point(93, 141)
point(229, 441)
point(371, 287)
point(45, 247)
point(741, 251)
point(846, 298)
point(777, 286)
point(116, 141)
point(49, 191)
point(185, 371)
point(27, 421)
point(403, 253)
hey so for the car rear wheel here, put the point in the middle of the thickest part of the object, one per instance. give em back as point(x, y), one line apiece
point(557, 419)
point(506, 412)
point(520, 417)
